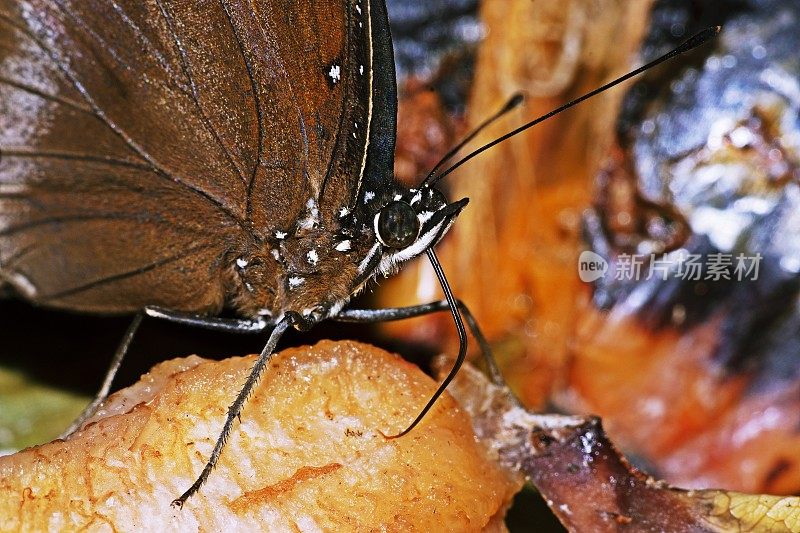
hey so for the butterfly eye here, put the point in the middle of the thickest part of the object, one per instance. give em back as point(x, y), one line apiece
point(397, 225)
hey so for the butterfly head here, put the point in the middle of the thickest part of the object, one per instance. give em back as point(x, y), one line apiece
point(410, 223)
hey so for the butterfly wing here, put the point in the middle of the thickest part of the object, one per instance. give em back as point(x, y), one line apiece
point(142, 141)
point(345, 97)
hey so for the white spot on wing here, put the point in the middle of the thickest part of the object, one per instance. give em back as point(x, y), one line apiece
point(344, 246)
point(312, 256)
point(368, 196)
point(312, 215)
point(335, 73)
point(241, 263)
point(295, 281)
point(280, 235)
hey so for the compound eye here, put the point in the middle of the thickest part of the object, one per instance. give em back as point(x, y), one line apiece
point(397, 225)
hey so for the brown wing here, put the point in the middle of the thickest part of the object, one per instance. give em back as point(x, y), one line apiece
point(316, 55)
point(142, 140)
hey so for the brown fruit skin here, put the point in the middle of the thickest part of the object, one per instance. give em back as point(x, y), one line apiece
point(307, 454)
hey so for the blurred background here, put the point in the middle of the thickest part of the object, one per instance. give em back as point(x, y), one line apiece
point(697, 378)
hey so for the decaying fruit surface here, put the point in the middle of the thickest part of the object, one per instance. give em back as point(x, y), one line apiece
point(308, 453)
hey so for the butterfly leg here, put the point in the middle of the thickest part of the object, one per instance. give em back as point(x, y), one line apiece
point(230, 325)
point(401, 313)
point(453, 306)
point(236, 408)
point(116, 362)
point(462, 341)
point(212, 323)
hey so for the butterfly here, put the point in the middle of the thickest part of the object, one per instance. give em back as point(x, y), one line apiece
point(176, 158)
point(173, 159)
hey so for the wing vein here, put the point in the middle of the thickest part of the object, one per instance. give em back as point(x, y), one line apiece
point(9, 262)
point(340, 139)
point(24, 153)
point(187, 72)
point(14, 230)
point(106, 47)
point(146, 43)
point(54, 98)
point(126, 275)
point(160, 171)
point(256, 101)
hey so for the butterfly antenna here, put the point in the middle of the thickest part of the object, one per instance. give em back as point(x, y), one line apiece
point(512, 103)
point(693, 42)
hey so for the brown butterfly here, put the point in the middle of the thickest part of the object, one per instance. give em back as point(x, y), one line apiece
point(173, 158)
